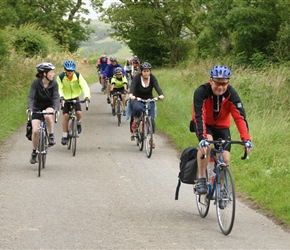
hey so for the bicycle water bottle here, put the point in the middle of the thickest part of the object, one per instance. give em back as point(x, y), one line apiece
point(211, 173)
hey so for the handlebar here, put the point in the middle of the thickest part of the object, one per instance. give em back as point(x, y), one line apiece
point(76, 101)
point(147, 100)
point(29, 116)
point(221, 142)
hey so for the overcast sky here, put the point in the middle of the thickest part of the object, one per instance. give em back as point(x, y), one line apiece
point(93, 14)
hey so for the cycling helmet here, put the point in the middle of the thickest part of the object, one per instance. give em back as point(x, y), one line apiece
point(145, 65)
point(117, 70)
point(69, 65)
point(103, 56)
point(45, 67)
point(113, 58)
point(220, 72)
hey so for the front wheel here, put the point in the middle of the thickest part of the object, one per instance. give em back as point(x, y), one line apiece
point(40, 150)
point(148, 137)
point(74, 137)
point(119, 112)
point(225, 201)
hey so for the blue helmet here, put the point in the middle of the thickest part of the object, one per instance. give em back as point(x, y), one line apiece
point(69, 65)
point(220, 72)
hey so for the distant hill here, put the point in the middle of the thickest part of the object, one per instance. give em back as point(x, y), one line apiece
point(101, 43)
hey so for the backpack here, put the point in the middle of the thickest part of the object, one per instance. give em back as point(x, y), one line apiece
point(61, 75)
point(188, 168)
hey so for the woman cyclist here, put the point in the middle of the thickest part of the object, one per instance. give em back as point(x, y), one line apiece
point(142, 87)
point(43, 96)
point(119, 84)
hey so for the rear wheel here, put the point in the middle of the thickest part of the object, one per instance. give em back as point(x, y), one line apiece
point(74, 137)
point(225, 201)
point(140, 134)
point(148, 137)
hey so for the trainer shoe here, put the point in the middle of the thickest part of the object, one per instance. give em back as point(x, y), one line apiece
point(114, 112)
point(64, 140)
point(33, 158)
point(124, 113)
point(108, 100)
point(201, 186)
point(79, 127)
point(51, 140)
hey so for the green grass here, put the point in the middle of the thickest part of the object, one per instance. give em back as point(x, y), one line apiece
point(264, 178)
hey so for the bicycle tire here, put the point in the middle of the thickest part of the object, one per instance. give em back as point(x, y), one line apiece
point(119, 112)
point(40, 149)
point(44, 149)
point(140, 134)
point(74, 137)
point(226, 205)
point(148, 136)
point(202, 201)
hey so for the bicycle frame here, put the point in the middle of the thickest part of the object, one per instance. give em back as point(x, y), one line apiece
point(119, 106)
point(72, 119)
point(145, 131)
point(222, 189)
point(42, 142)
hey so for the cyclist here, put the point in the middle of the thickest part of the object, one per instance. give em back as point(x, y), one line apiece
point(101, 66)
point(71, 85)
point(128, 68)
point(135, 62)
point(213, 103)
point(142, 86)
point(119, 84)
point(43, 96)
point(109, 73)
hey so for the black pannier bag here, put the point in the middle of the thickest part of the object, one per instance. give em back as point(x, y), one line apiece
point(29, 130)
point(188, 168)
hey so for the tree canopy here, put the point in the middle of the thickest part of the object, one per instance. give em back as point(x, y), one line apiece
point(171, 31)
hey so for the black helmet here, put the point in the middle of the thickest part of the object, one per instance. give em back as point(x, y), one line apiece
point(45, 67)
point(145, 65)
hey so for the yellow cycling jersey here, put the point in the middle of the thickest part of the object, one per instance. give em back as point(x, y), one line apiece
point(119, 83)
point(73, 89)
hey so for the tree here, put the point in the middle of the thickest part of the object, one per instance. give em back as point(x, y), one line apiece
point(62, 18)
point(150, 25)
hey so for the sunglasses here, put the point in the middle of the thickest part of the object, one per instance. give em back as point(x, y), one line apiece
point(223, 84)
point(69, 70)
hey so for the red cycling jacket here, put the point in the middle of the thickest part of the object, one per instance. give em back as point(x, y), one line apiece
point(215, 111)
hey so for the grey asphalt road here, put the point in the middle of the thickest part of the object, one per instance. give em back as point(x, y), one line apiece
point(111, 196)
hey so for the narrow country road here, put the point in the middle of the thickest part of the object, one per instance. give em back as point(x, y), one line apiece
point(111, 196)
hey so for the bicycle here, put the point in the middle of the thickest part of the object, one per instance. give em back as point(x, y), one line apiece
point(221, 190)
point(72, 134)
point(144, 132)
point(119, 107)
point(42, 143)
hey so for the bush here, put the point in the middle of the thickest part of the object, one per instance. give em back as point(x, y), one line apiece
point(30, 40)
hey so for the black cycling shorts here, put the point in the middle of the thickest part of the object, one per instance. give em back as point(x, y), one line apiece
point(224, 134)
point(67, 106)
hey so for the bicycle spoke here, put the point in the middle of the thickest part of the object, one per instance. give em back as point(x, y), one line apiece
point(226, 202)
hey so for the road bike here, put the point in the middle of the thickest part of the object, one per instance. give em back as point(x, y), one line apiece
point(144, 132)
point(42, 143)
point(221, 190)
point(119, 108)
point(72, 134)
